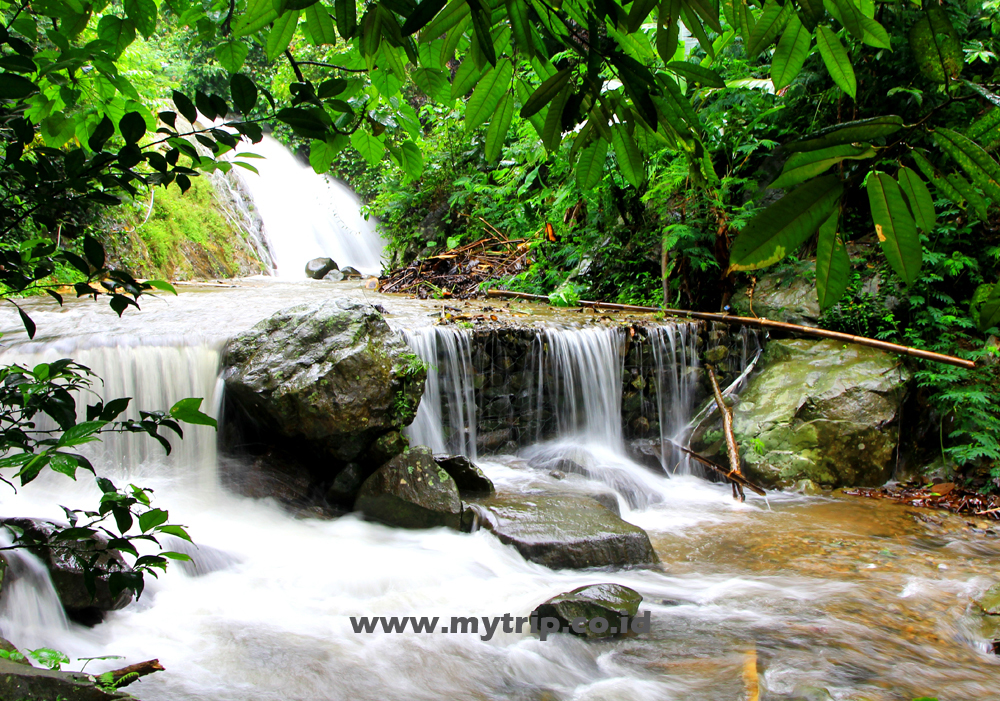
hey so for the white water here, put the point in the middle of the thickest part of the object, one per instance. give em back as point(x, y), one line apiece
point(306, 215)
point(676, 356)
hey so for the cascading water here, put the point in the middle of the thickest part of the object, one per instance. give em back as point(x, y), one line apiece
point(675, 353)
point(308, 216)
point(446, 417)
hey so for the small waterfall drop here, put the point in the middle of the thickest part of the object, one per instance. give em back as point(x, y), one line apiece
point(449, 390)
point(306, 215)
point(30, 610)
point(675, 355)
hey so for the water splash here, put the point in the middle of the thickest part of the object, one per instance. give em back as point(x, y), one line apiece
point(308, 216)
point(675, 354)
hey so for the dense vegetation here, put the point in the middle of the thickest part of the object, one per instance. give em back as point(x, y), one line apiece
point(673, 146)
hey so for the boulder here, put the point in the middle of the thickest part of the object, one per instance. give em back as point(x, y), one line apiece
point(564, 532)
point(317, 268)
point(348, 272)
point(608, 601)
point(787, 294)
point(328, 376)
point(334, 276)
point(19, 681)
point(470, 480)
point(822, 411)
point(411, 491)
point(989, 602)
point(68, 574)
point(8, 647)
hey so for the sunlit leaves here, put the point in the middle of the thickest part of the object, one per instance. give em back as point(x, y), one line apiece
point(188, 411)
point(258, 14)
point(485, 98)
point(630, 161)
point(319, 27)
point(118, 32)
point(590, 165)
point(833, 266)
point(322, 153)
point(894, 226)
point(517, 12)
point(499, 126)
point(368, 145)
point(785, 225)
point(768, 26)
point(421, 15)
point(936, 46)
point(453, 13)
point(788, 58)
point(231, 55)
point(411, 160)
point(838, 63)
point(143, 14)
point(808, 164)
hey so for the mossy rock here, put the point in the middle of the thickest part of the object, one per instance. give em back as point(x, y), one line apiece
point(607, 601)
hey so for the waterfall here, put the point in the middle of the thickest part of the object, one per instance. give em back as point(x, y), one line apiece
point(306, 215)
point(30, 610)
point(448, 391)
point(675, 355)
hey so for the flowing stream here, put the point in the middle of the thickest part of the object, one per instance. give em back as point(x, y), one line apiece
point(805, 597)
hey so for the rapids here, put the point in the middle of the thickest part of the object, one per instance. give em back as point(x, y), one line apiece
point(789, 596)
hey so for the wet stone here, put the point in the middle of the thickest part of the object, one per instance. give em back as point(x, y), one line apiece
point(608, 601)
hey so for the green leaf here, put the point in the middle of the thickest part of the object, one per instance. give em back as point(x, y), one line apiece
point(520, 25)
point(875, 34)
point(745, 22)
point(453, 13)
point(309, 123)
point(940, 183)
point(243, 92)
point(936, 46)
point(788, 58)
point(259, 14)
point(368, 146)
point(83, 432)
point(919, 198)
point(697, 74)
point(466, 77)
point(184, 105)
point(321, 155)
point(668, 29)
point(485, 98)
point(785, 225)
point(552, 127)
point(434, 84)
point(281, 34)
point(982, 169)
point(848, 133)
point(132, 127)
point(231, 55)
point(412, 160)
point(319, 27)
point(637, 14)
point(499, 126)
point(630, 161)
point(966, 193)
point(894, 226)
point(771, 22)
point(188, 411)
point(838, 63)
point(590, 166)
point(847, 13)
point(346, 13)
point(118, 32)
point(14, 87)
point(544, 93)
point(162, 285)
point(151, 519)
point(989, 312)
point(982, 127)
point(422, 15)
point(143, 14)
point(833, 265)
point(693, 24)
point(808, 164)
point(708, 10)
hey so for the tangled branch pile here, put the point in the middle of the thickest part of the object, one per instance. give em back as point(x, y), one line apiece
point(939, 496)
point(459, 273)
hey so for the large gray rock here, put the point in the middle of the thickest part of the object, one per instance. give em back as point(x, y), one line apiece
point(411, 491)
point(329, 373)
point(68, 574)
point(317, 268)
point(607, 601)
point(989, 602)
point(19, 682)
point(470, 480)
point(565, 532)
point(787, 295)
point(823, 411)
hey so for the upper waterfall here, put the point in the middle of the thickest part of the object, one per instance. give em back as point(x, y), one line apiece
point(306, 215)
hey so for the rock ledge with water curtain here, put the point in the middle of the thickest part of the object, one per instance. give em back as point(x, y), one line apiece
point(328, 382)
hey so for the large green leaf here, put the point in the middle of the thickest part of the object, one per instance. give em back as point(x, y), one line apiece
point(466, 77)
point(118, 32)
point(984, 171)
point(346, 14)
point(452, 14)
point(983, 129)
point(708, 10)
point(668, 29)
point(638, 12)
point(14, 87)
point(894, 226)
point(281, 34)
point(630, 161)
point(769, 25)
point(875, 34)
point(966, 193)
point(848, 14)
point(259, 14)
point(434, 83)
point(552, 127)
point(937, 48)
point(411, 160)
point(422, 15)
point(143, 14)
point(590, 166)
point(243, 92)
point(693, 24)
point(918, 197)
point(808, 164)
point(838, 63)
point(520, 25)
point(785, 225)
point(322, 153)
point(833, 265)
point(848, 133)
point(232, 54)
point(793, 48)
point(485, 98)
point(319, 26)
point(545, 92)
point(499, 126)
point(482, 29)
point(940, 183)
point(696, 73)
point(989, 312)
point(745, 22)
point(368, 146)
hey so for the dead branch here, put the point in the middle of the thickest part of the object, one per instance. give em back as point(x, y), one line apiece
point(737, 479)
point(727, 427)
point(124, 676)
point(763, 324)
